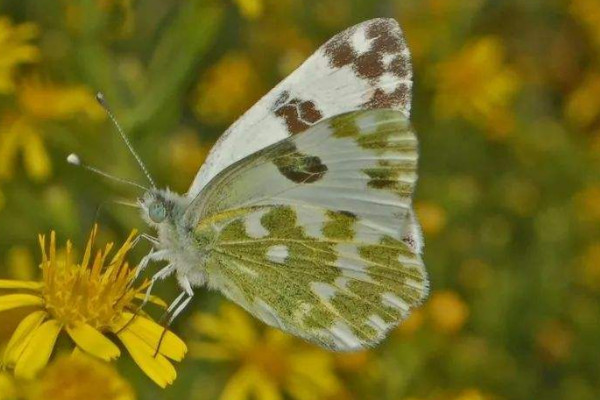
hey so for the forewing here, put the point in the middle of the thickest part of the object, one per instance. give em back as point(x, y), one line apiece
point(365, 67)
point(312, 234)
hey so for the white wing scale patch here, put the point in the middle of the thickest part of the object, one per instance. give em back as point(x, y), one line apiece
point(365, 67)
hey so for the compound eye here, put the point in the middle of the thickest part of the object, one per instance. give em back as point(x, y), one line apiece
point(157, 212)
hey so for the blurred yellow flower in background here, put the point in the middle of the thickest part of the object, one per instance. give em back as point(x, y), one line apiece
point(44, 100)
point(88, 301)
point(431, 24)
point(412, 323)
point(432, 217)
point(586, 204)
point(471, 394)
point(447, 311)
point(476, 84)
point(583, 105)
point(23, 133)
point(227, 89)
point(251, 9)
point(269, 363)
point(186, 154)
point(589, 267)
point(554, 341)
point(15, 50)
point(588, 12)
point(78, 377)
point(69, 377)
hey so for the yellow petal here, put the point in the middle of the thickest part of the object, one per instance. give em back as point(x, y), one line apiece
point(21, 336)
point(152, 299)
point(8, 388)
point(150, 332)
point(93, 342)
point(38, 350)
point(27, 285)
point(19, 300)
point(158, 368)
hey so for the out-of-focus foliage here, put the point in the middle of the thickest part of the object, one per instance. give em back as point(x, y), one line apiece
point(507, 107)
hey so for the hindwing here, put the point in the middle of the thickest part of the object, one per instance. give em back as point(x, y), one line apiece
point(310, 234)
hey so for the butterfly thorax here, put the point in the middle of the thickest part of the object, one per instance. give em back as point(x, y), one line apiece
point(166, 212)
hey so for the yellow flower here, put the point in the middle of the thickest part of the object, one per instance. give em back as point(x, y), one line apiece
point(588, 12)
point(15, 50)
point(8, 389)
point(77, 15)
point(228, 88)
point(589, 267)
point(77, 377)
point(586, 204)
point(269, 364)
point(554, 341)
point(251, 9)
point(431, 25)
point(432, 217)
point(87, 300)
point(583, 105)
point(44, 100)
point(23, 133)
point(412, 324)
point(448, 312)
point(477, 85)
point(471, 394)
point(186, 154)
point(69, 377)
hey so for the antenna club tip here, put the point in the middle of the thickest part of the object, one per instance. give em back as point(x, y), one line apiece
point(100, 98)
point(74, 159)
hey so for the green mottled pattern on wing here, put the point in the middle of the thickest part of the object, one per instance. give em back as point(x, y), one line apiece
point(307, 234)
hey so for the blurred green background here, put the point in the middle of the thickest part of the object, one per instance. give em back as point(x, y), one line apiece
point(507, 108)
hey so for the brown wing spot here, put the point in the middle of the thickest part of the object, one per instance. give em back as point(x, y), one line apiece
point(298, 114)
point(410, 242)
point(381, 99)
point(380, 27)
point(369, 65)
point(400, 67)
point(299, 167)
point(340, 52)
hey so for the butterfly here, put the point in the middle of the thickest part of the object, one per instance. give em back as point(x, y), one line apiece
point(302, 211)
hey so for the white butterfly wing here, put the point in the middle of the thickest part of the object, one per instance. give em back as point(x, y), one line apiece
point(365, 67)
point(305, 233)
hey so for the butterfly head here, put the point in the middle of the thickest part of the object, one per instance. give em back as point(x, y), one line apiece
point(161, 206)
point(157, 212)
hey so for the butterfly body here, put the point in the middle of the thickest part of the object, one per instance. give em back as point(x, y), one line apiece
point(302, 213)
point(174, 228)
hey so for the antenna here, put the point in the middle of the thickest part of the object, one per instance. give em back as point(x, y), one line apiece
point(74, 159)
point(102, 101)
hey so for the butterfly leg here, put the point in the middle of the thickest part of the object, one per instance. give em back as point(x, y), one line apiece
point(159, 255)
point(176, 307)
point(160, 275)
point(175, 310)
point(153, 240)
